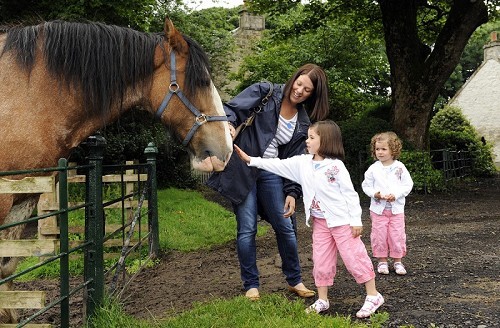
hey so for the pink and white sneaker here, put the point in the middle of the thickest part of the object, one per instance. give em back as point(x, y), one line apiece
point(399, 268)
point(372, 303)
point(318, 306)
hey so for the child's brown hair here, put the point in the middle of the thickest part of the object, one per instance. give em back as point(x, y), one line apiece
point(331, 145)
point(395, 144)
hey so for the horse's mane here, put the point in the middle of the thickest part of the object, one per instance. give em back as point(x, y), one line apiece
point(101, 60)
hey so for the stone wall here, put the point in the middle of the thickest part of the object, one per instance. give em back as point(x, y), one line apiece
point(246, 35)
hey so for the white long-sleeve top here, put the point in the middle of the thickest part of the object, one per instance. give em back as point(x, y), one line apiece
point(392, 179)
point(330, 184)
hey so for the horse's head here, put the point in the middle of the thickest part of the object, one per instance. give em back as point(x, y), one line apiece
point(187, 102)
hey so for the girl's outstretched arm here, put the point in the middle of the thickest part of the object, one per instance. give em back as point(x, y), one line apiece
point(244, 157)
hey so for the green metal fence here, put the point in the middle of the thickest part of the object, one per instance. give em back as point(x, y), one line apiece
point(93, 285)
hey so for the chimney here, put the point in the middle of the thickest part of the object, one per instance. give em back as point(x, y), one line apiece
point(493, 35)
point(492, 49)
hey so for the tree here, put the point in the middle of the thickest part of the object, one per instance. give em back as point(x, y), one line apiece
point(424, 41)
point(212, 28)
point(419, 71)
point(353, 60)
point(136, 14)
point(472, 57)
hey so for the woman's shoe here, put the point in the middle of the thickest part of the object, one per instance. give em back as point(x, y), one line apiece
point(305, 293)
point(252, 294)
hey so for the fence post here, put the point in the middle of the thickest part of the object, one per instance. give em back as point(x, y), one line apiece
point(63, 241)
point(94, 227)
point(154, 235)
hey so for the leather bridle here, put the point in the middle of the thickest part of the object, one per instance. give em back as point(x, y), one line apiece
point(174, 88)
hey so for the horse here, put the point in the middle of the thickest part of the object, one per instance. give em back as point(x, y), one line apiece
point(61, 81)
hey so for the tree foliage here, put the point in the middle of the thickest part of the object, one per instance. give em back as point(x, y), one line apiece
point(354, 62)
point(471, 59)
point(424, 41)
point(133, 13)
point(450, 129)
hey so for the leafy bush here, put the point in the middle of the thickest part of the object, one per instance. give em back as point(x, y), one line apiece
point(450, 129)
point(356, 135)
point(425, 177)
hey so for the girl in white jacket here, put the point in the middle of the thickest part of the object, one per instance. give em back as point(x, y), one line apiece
point(387, 182)
point(332, 206)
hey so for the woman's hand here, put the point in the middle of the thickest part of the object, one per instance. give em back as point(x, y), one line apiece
point(232, 131)
point(244, 157)
point(289, 206)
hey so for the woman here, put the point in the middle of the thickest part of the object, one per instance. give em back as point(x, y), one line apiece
point(278, 130)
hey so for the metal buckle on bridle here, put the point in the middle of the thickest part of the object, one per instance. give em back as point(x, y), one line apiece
point(174, 88)
point(202, 119)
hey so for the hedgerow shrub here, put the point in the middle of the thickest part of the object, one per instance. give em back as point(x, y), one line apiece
point(356, 135)
point(450, 129)
point(425, 177)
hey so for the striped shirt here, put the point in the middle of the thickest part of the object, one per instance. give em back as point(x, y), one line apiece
point(283, 136)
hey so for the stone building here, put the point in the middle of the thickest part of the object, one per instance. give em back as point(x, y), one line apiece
point(249, 31)
point(479, 97)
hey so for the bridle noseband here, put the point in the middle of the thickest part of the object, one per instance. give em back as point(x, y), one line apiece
point(174, 88)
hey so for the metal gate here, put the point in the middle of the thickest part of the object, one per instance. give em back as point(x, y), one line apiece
point(92, 247)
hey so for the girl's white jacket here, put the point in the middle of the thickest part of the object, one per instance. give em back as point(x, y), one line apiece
point(330, 183)
point(394, 179)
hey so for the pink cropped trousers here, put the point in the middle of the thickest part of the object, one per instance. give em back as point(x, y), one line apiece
point(388, 237)
point(328, 243)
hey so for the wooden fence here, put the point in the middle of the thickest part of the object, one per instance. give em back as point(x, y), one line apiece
point(49, 202)
point(26, 248)
point(55, 206)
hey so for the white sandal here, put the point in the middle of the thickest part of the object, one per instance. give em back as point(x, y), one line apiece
point(383, 268)
point(318, 306)
point(372, 303)
point(399, 268)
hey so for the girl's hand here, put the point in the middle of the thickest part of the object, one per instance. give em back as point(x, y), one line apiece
point(356, 231)
point(289, 206)
point(390, 198)
point(244, 157)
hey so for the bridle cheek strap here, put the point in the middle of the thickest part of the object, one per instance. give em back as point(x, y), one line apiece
point(173, 88)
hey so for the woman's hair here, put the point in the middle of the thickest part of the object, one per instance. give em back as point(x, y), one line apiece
point(393, 141)
point(331, 145)
point(317, 104)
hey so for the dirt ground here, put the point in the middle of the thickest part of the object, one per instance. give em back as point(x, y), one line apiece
point(452, 261)
point(453, 267)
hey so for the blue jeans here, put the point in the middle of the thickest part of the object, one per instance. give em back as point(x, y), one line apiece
point(266, 198)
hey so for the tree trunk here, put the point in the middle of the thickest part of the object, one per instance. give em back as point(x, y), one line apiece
point(418, 72)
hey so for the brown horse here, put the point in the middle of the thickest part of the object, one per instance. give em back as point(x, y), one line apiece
point(60, 82)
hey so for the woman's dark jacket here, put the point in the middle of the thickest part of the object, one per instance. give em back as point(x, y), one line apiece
point(237, 179)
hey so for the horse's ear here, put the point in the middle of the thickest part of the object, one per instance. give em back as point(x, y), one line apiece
point(175, 38)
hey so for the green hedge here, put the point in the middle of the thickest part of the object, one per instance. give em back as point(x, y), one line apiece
point(450, 129)
point(425, 177)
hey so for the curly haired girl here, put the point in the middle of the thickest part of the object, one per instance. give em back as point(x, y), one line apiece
point(387, 182)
